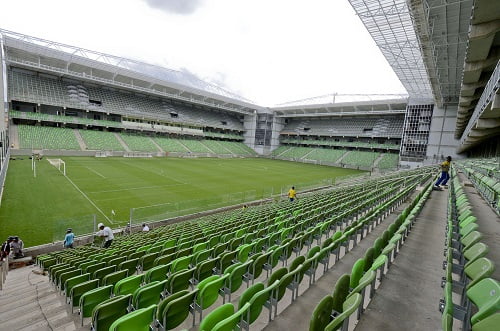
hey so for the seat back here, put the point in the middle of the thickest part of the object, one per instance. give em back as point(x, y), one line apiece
point(357, 272)
point(236, 276)
point(129, 265)
point(321, 314)
point(218, 314)
point(90, 299)
point(138, 320)
point(479, 269)
point(105, 313)
point(181, 263)
point(147, 295)
point(114, 277)
point(75, 281)
point(231, 322)
point(209, 290)
point(340, 292)
point(158, 273)
point(179, 281)
point(486, 296)
point(76, 291)
point(175, 308)
point(127, 285)
point(101, 273)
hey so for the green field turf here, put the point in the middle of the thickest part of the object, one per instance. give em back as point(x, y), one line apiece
point(40, 209)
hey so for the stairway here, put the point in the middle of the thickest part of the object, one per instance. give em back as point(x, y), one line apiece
point(29, 302)
point(157, 146)
point(339, 161)
point(14, 136)
point(124, 145)
point(79, 138)
point(377, 160)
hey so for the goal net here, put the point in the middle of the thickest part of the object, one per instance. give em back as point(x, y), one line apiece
point(59, 164)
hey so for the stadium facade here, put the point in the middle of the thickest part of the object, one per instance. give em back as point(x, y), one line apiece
point(445, 53)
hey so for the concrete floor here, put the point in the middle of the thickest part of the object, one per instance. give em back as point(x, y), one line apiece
point(409, 295)
point(297, 315)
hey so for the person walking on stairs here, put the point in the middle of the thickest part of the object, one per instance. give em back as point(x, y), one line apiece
point(445, 176)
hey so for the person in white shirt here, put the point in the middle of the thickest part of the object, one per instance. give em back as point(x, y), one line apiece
point(107, 233)
point(145, 227)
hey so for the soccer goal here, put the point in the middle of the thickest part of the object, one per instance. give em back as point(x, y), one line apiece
point(59, 164)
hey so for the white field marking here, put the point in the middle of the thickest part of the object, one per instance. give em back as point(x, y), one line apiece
point(91, 202)
point(95, 172)
point(137, 188)
point(156, 173)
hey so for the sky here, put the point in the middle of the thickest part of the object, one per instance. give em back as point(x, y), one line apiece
point(268, 51)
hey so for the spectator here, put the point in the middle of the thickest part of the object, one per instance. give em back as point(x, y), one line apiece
point(6, 248)
point(443, 179)
point(16, 248)
point(145, 227)
point(292, 194)
point(69, 238)
point(107, 233)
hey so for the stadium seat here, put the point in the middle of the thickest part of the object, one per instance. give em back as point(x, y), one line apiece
point(147, 295)
point(348, 307)
point(127, 285)
point(108, 311)
point(174, 309)
point(321, 315)
point(208, 292)
point(138, 320)
point(90, 299)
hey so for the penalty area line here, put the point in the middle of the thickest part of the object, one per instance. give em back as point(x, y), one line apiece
point(91, 202)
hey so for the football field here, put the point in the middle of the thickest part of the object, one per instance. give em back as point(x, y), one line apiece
point(39, 209)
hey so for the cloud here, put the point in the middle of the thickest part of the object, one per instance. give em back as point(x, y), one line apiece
point(182, 7)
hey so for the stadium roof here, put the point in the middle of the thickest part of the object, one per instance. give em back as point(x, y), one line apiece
point(344, 105)
point(79, 63)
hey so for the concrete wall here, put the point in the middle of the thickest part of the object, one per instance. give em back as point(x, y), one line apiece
point(4, 106)
point(278, 125)
point(250, 123)
point(441, 136)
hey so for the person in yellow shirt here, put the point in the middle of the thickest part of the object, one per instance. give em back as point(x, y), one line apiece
point(292, 194)
point(445, 176)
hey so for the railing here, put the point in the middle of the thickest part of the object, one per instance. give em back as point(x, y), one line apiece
point(4, 269)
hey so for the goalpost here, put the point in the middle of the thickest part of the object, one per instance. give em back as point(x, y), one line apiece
point(59, 164)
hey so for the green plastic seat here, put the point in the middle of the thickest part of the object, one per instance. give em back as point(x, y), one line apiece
point(101, 273)
point(348, 307)
point(94, 267)
point(357, 272)
point(106, 312)
point(158, 273)
point(209, 292)
point(490, 323)
point(235, 279)
point(464, 231)
point(138, 320)
point(475, 252)
point(217, 315)
point(77, 290)
point(128, 285)
point(90, 299)
point(472, 238)
point(114, 277)
point(249, 295)
point(181, 263)
point(243, 252)
point(146, 262)
point(379, 263)
point(321, 314)
point(226, 260)
point(71, 282)
point(117, 260)
point(204, 270)
point(63, 277)
point(340, 292)
point(175, 308)
point(147, 295)
point(485, 294)
point(201, 256)
point(368, 258)
point(478, 270)
point(296, 262)
point(179, 281)
point(130, 265)
point(232, 322)
point(164, 259)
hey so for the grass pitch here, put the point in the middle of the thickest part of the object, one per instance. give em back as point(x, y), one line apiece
point(40, 209)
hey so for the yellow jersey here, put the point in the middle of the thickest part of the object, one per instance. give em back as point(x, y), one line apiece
point(292, 193)
point(445, 166)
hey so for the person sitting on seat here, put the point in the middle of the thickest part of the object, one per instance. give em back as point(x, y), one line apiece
point(145, 227)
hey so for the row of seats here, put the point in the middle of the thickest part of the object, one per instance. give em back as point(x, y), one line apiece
point(359, 159)
point(103, 263)
point(350, 292)
point(332, 143)
point(467, 269)
point(485, 175)
point(43, 137)
point(40, 90)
